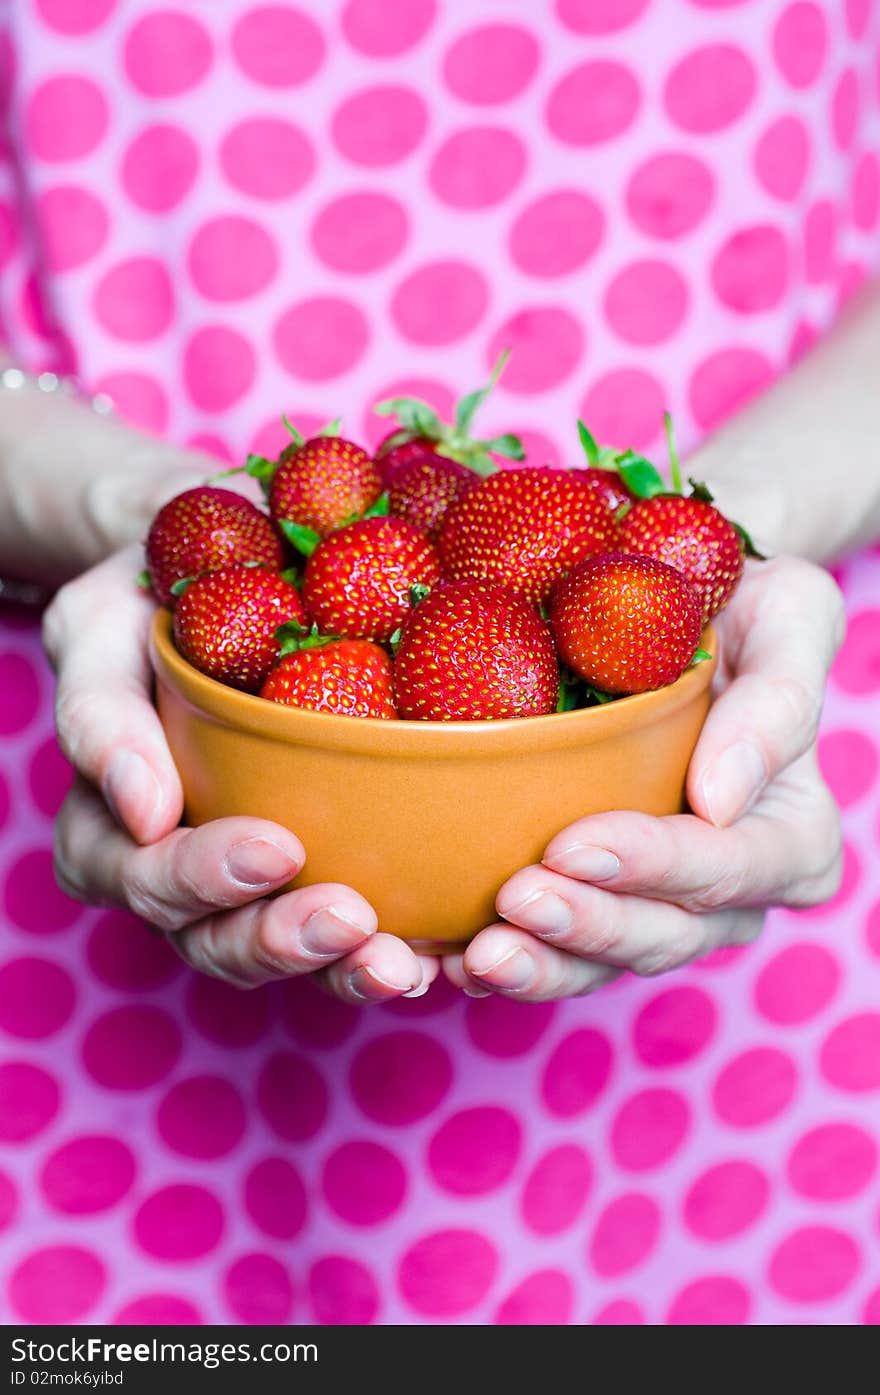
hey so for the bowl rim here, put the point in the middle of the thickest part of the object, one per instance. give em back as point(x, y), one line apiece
point(370, 735)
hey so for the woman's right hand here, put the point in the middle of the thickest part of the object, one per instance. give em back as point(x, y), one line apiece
point(117, 836)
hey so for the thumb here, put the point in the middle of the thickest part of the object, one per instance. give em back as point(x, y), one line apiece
point(783, 629)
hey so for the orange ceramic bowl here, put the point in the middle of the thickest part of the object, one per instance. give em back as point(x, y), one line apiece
point(425, 819)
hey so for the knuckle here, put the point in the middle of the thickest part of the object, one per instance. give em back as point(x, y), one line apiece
point(197, 946)
point(803, 704)
point(671, 951)
point(726, 889)
point(143, 901)
point(266, 952)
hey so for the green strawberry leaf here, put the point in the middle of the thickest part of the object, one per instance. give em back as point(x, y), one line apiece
point(469, 404)
point(748, 546)
point(394, 640)
point(397, 438)
point(332, 428)
point(296, 436)
point(700, 491)
point(305, 540)
point(597, 696)
point(380, 509)
point(622, 512)
point(589, 443)
point(674, 463)
point(417, 593)
point(640, 477)
point(508, 445)
point(224, 474)
point(258, 467)
point(180, 586)
point(293, 637)
point(571, 691)
point(144, 580)
point(701, 657)
point(414, 415)
point(293, 577)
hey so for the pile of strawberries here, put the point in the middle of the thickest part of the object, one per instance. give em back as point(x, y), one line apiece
point(427, 584)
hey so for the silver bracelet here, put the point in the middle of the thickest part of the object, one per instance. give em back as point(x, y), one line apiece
point(16, 379)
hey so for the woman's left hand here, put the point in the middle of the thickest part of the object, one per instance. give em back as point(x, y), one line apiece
point(622, 891)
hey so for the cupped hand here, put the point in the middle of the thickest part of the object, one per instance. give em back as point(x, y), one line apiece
point(117, 836)
point(624, 891)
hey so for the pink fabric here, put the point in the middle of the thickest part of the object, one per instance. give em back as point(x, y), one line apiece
point(219, 212)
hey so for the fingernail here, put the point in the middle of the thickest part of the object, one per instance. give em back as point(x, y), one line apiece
point(733, 782)
point(585, 862)
point(418, 992)
point(514, 970)
point(543, 912)
point(472, 991)
point(130, 783)
point(258, 862)
point(328, 932)
point(371, 987)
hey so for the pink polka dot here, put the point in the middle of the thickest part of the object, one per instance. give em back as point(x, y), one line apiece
point(625, 1234)
point(364, 1183)
point(441, 997)
point(36, 998)
point(858, 13)
point(754, 1087)
point(292, 1096)
point(342, 1292)
point(646, 302)
point(750, 270)
point(782, 156)
point(61, 1283)
point(726, 1200)
point(321, 338)
point(5, 800)
point(400, 1077)
point(141, 400)
point(475, 1150)
point(796, 984)
point(800, 43)
point(625, 408)
point(716, 1301)
point(820, 234)
point(619, 1313)
point(360, 232)
point(224, 1014)
point(29, 1101)
point(576, 1073)
point(231, 258)
point(670, 194)
point(278, 46)
point(159, 1310)
point(491, 64)
point(166, 53)
point(648, 1128)
point(80, 18)
point(501, 1028)
point(73, 224)
point(267, 158)
point(380, 125)
point(593, 103)
point(710, 88)
point(545, 1298)
point(311, 1017)
point(803, 339)
point(65, 118)
point(33, 900)
point(865, 193)
point(202, 1117)
point(19, 693)
point(8, 1201)
point(674, 1027)
point(814, 1264)
point(9, 233)
point(440, 303)
point(123, 953)
point(448, 1272)
point(159, 167)
point(478, 167)
point(540, 449)
point(850, 877)
point(219, 366)
point(88, 1174)
point(599, 16)
point(845, 109)
point(179, 1222)
point(258, 1289)
point(872, 929)
point(275, 1198)
point(556, 1190)
point(857, 667)
point(213, 445)
point(832, 1162)
point(386, 28)
point(134, 300)
point(725, 381)
point(557, 233)
point(269, 440)
point(850, 1054)
point(547, 343)
point(131, 1048)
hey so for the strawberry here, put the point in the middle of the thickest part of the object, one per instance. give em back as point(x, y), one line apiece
point(525, 528)
point(357, 581)
point(321, 484)
point(350, 677)
point(225, 623)
point(474, 651)
point(202, 530)
point(608, 485)
point(626, 623)
point(390, 456)
point(691, 535)
point(424, 488)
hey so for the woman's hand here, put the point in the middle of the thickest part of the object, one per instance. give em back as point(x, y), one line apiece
point(117, 839)
point(626, 891)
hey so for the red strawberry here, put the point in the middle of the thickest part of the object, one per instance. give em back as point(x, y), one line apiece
point(608, 485)
point(225, 623)
point(525, 528)
point(425, 487)
point(474, 651)
point(358, 581)
point(203, 529)
point(350, 677)
point(399, 449)
point(323, 483)
point(691, 535)
point(626, 624)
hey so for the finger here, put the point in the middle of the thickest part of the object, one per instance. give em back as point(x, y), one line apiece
point(183, 877)
point(783, 629)
point(383, 969)
point(516, 965)
point(95, 633)
point(626, 932)
point(453, 968)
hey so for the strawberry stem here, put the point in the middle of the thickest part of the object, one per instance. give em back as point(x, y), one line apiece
point(589, 443)
point(674, 463)
point(297, 436)
point(305, 540)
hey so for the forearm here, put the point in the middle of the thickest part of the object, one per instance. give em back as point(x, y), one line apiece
point(800, 467)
